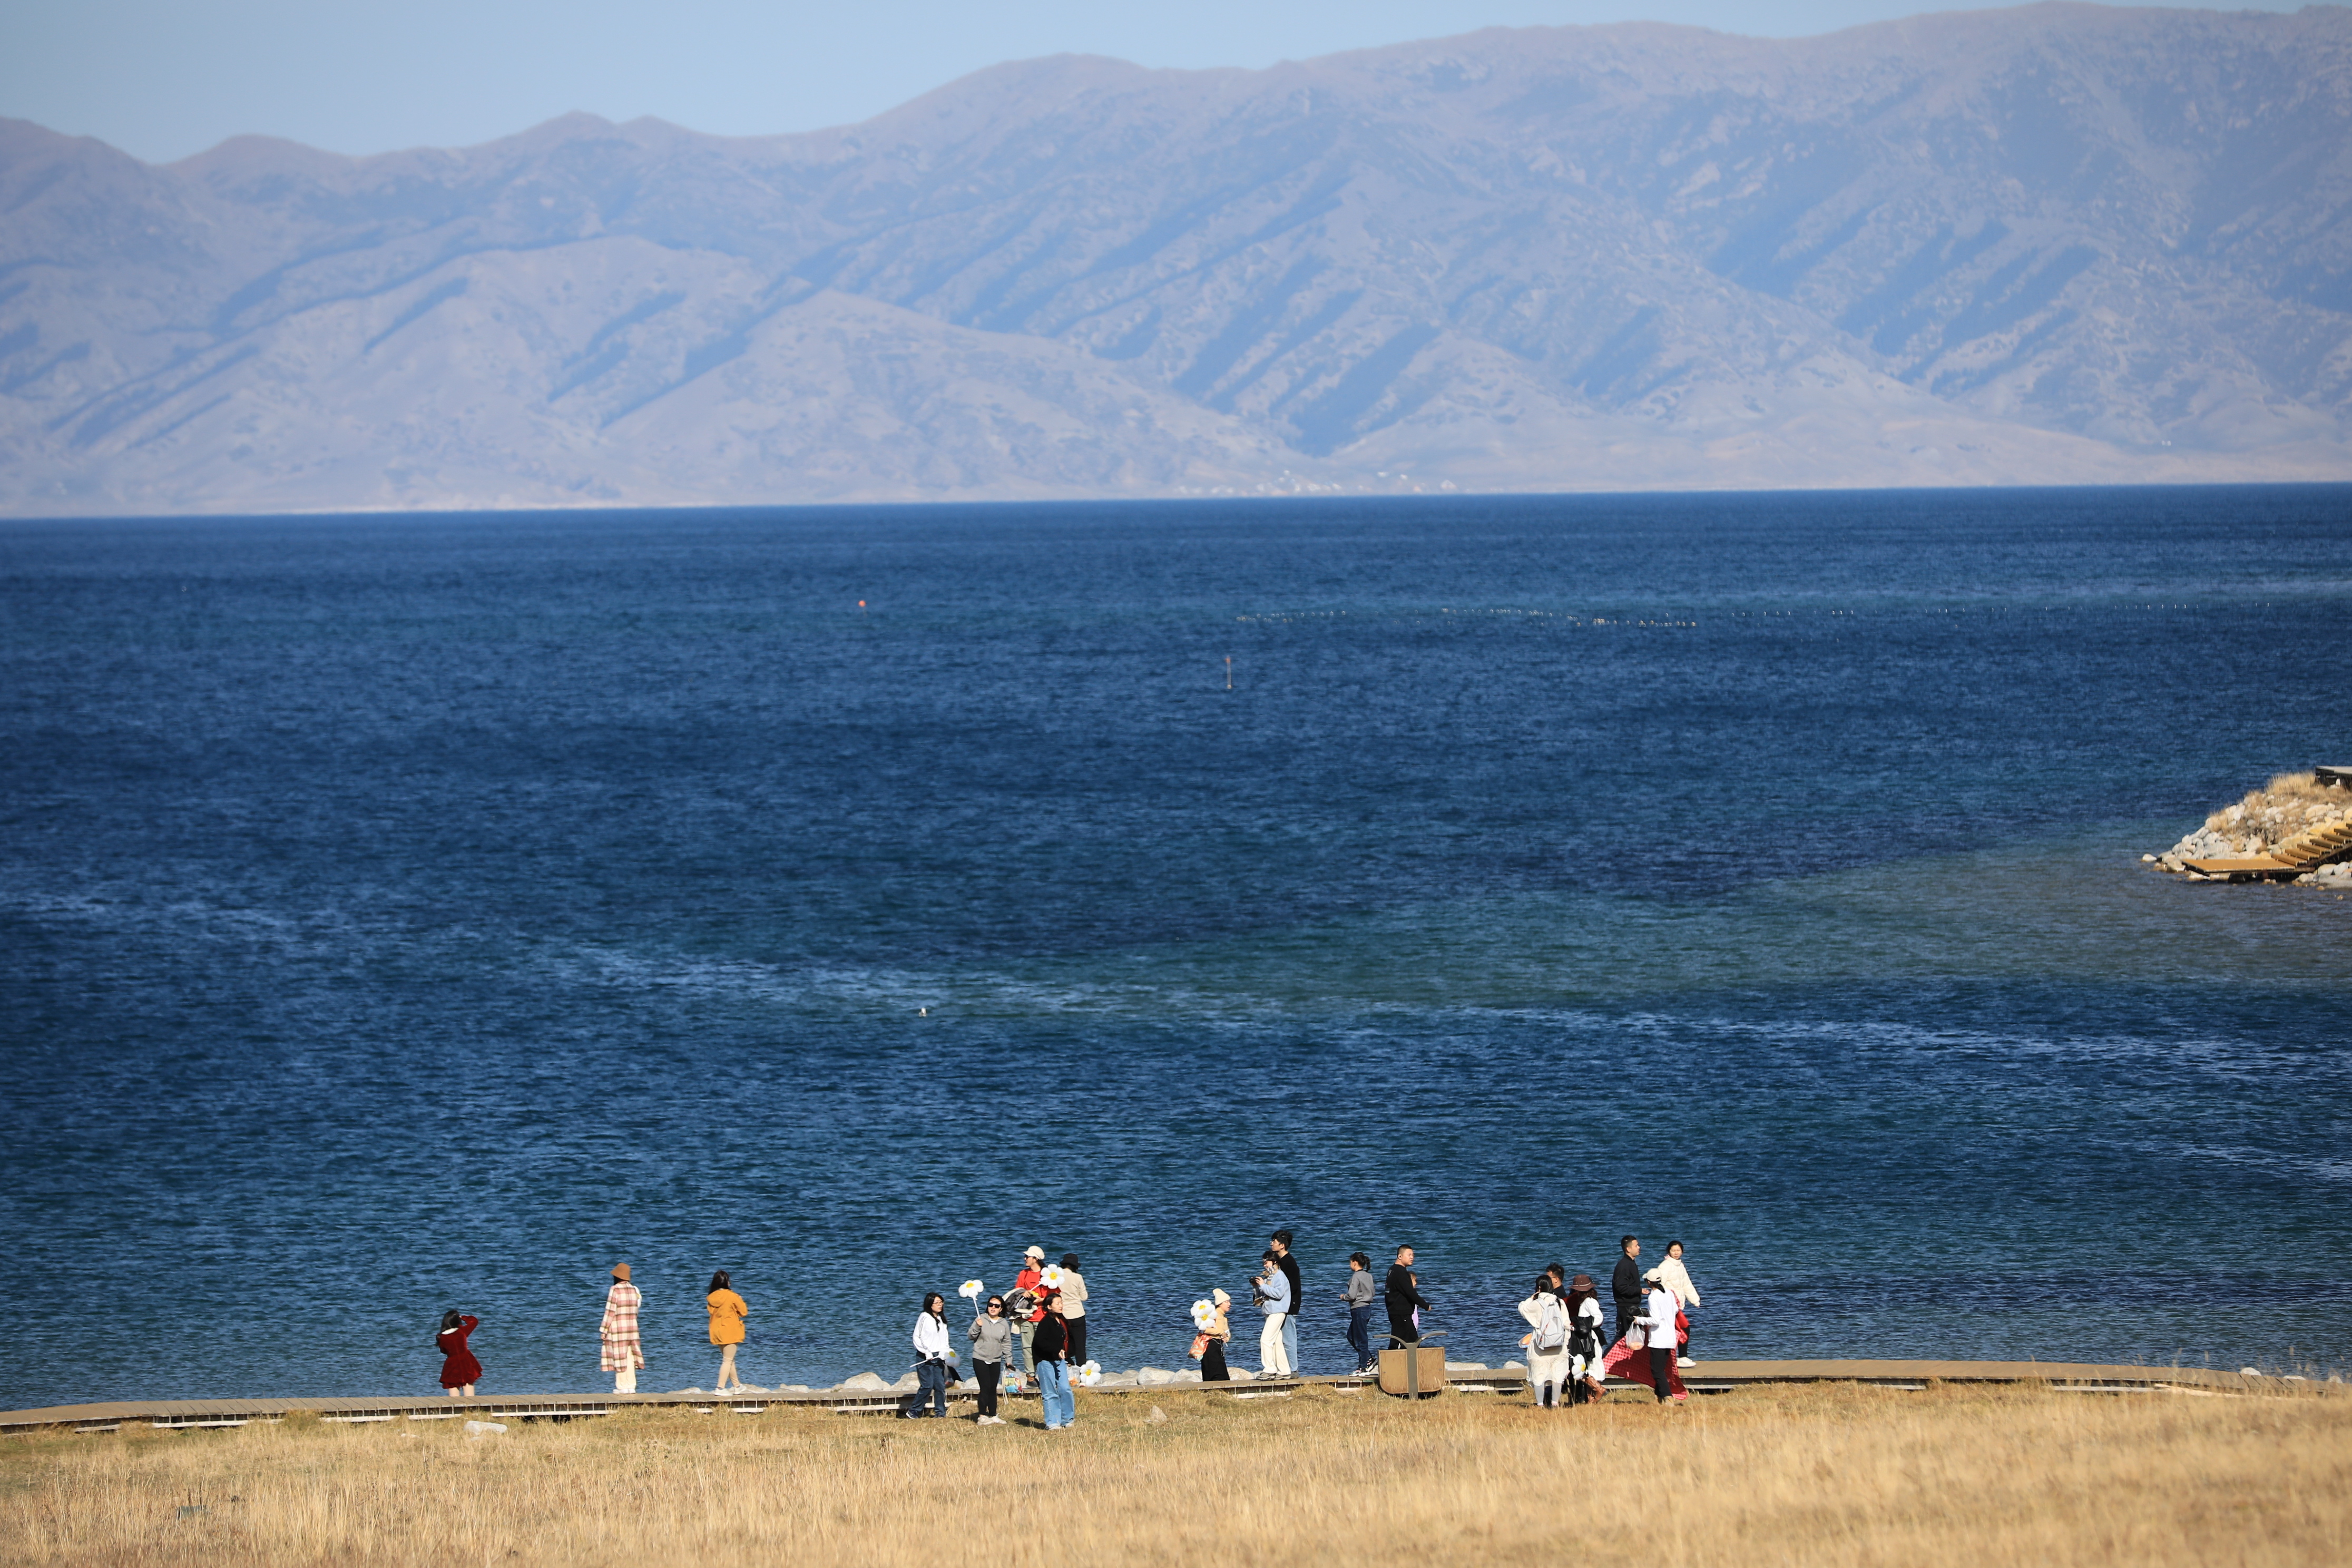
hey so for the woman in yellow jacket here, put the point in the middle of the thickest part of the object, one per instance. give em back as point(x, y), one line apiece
point(728, 1312)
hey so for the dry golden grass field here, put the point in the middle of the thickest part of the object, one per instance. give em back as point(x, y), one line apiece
point(1828, 1475)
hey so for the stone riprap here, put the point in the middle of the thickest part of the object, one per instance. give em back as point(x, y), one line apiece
point(2278, 820)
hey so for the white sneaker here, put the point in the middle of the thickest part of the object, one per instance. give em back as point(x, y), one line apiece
point(1686, 1361)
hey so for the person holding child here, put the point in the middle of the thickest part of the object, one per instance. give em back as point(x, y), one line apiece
point(1023, 1307)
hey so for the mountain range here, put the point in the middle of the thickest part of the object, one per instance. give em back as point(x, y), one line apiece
point(2062, 244)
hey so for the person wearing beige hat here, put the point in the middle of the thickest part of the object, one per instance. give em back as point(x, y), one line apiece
point(1219, 1333)
point(625, 1352)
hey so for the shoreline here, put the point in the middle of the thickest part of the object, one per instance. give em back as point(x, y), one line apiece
point(856, 1399)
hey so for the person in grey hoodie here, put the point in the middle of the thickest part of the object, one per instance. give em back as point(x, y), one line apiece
point(1362, 1291)
point(992, 1342)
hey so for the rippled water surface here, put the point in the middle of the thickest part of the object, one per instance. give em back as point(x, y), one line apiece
point(407, 912)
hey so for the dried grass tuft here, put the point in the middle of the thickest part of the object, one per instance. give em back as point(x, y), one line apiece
point(2289, 804)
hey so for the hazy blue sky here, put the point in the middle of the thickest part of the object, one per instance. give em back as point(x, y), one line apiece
point(163, 79)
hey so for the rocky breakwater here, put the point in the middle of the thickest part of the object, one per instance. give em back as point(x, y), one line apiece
point(2302, 823)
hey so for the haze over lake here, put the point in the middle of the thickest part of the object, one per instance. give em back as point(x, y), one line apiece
point(411, 912)
point(2060, 244)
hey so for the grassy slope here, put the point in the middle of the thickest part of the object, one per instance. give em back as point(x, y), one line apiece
point(1828, 1475)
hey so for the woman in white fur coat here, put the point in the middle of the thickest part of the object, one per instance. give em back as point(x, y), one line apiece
point(1551, 1369)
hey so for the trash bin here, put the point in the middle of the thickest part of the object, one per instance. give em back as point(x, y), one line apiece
point(1412, 1372)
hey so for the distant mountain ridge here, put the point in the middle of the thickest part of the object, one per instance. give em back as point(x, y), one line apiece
point(2060, 244)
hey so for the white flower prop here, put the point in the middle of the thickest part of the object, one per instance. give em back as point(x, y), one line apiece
point(1052, 1278)
point(1090, 1373)
point(970, 1290)
point(1204, 1315)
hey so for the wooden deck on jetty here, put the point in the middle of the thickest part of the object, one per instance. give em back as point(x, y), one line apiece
point(1708, 1377)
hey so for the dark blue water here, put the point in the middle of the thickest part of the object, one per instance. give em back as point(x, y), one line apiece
point(407, 912)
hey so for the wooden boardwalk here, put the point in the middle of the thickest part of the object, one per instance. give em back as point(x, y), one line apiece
point(1708, 1377)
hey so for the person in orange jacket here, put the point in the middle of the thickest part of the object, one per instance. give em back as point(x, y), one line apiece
point(728, 1312)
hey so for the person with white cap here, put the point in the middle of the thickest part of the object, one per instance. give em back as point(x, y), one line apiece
point(624, 1349)
point(1026, 1305)
point(1658, 1330)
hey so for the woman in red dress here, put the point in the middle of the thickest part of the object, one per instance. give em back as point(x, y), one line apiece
point(459, 1369)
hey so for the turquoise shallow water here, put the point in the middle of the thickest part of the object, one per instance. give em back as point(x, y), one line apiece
point(405, 913)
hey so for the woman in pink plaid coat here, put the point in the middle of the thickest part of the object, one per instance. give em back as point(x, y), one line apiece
point(623, 1351)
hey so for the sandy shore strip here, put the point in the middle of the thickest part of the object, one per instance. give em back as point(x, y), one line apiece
point(869, 1396)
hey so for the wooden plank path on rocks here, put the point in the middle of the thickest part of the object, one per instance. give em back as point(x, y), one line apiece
point(1708, 1377)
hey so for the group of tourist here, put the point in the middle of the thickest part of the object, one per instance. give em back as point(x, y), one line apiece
point(1038, 1330)
point(1569, 1353)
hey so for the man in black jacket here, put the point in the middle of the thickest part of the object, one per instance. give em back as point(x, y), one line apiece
point(1403, 1296)
point(1625, 1284)
point(1289, 1266)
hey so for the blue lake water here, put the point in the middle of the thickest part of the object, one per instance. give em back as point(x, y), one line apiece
point(420, 911)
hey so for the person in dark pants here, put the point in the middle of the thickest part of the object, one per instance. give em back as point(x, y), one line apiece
point(1073, 1307)
point(992, 1341)
point(1358, 1298)
point(932, 1358)
point(1280, 1242)
point(1658, 1324)
point(1625, 1285)
point(1220, 1332)
point(1403, 1295)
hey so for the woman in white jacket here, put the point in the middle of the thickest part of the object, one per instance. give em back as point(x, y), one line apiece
point(933, 1357)
point(1676, 1277)
point(1549, 1369)
point(1658, 1330)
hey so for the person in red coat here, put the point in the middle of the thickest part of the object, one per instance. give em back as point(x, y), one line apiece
point(459, 1369)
